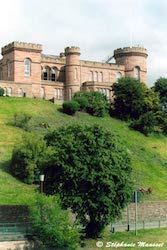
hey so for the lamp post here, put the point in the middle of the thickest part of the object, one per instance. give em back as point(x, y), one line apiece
point(41, 177)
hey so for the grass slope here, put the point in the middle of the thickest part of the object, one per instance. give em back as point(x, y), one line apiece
point(149, 154)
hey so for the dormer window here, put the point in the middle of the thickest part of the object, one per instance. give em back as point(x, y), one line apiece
point(27, 67)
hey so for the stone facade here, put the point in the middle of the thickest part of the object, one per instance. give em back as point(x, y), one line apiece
point(25, 71)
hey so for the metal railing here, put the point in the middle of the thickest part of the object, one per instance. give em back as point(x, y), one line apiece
point(15, 228)
point(145, 224)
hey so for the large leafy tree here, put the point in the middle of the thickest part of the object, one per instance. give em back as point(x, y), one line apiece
point(90, 169)
point(132, 98)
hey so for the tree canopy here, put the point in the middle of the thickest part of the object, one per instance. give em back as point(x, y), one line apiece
point(132, 98)
point(161, 88)
point(90, 169)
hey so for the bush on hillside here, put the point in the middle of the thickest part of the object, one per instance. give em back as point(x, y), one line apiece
point(98, 105)
point(51, 225)
point(27, 158)
point(21, 120)
point(83, 102)
point(145, 124)
point(90, 169)
point(2, 92)
point(70, 107)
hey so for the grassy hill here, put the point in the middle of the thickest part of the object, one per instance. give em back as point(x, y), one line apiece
point(149, 154)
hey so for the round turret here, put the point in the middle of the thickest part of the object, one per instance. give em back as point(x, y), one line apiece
point(134, 60)
point(72, 71)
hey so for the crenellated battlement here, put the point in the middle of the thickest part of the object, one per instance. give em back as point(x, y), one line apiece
point(72, 50)
point(130, 50)
point(22, 46)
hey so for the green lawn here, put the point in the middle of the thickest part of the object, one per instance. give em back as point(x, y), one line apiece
point(149, 154)
point(147, 235)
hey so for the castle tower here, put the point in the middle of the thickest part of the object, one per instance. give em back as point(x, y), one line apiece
point(134, 59)
point(23, 62)
point(72, 71)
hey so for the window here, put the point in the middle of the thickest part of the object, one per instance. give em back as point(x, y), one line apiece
point(46, 74)
point(53, 74)
point(42, 92)
point(20, 92)
point(91, 76)
point(137, 73)
point(95, 76)
point(0, 73)
point(9, 68)
point(118, 76)
point(70, 93)
point(101, 77)
point(5, 91)
point(9, 92)
point(27, 67)
point(76, 74)
point(108, 93)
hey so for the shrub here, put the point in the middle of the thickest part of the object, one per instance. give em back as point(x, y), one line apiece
point(21, 120)
point(145, 124)
point(90, 169)
point(70, 107)
point(51, 225)
point(98, 105)
point(27, 158)
point(2, 92)
point(83, 102)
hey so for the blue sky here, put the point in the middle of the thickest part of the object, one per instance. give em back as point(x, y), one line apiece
point(96, 26)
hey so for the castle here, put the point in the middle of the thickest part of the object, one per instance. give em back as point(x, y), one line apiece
point(26, 71)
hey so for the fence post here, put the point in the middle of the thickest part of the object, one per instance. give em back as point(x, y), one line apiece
point(159, 223)
point(143, 224)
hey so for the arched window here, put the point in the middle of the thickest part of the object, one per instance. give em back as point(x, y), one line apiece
point(95, 76)
point(136, 73)
point(101, 77)
point(118, 76)
point(27, 67)
point(91, 76)
point(9, 68)
point(0, 73)
point(20, 92)
point(46, 74)
point(53, 74)
point(9, 92)
point(108, 93)
point(42, 92)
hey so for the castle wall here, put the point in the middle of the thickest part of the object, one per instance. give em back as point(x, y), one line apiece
point(71, 73)
point(108, 71)
point(4, 64)
point(35, 58)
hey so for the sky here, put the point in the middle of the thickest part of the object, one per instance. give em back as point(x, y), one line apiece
point(96, 26)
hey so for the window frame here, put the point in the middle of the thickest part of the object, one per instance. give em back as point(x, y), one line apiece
point(27, 67)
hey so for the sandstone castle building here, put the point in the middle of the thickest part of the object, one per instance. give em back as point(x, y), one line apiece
point(26, 71)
